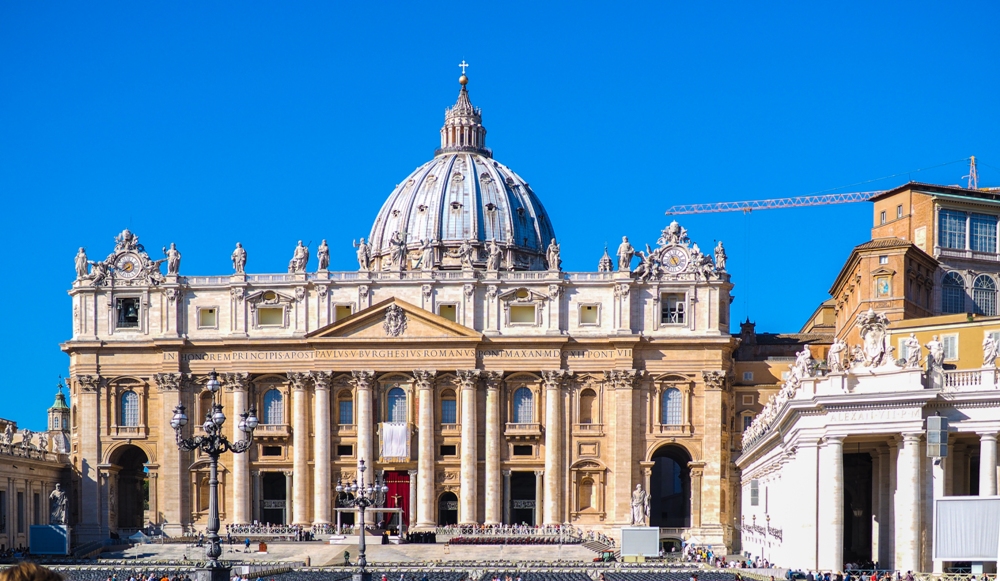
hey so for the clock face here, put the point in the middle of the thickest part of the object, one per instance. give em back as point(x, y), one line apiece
point(128, 266)
point(675, 260)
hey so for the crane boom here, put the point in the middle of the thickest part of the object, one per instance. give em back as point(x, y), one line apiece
point(751, 205)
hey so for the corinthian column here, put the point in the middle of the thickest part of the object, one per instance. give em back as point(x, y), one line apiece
point(425, 445)
point(237, 383)
point(622, 382)
point(831, 507)
point(553, 446)
point(988, 464)
point(300, 443)
point(494, 379)
point(321, 448)
point(470, 453)
point(907, 507)
point(362, 382)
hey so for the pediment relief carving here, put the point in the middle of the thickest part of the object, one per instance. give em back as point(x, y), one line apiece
point(523, 296)
point(268, 297)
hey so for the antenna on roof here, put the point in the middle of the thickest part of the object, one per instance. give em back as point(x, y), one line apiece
point(973, 176)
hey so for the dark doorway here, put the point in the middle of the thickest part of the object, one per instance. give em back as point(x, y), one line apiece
point(522, 498)
point(670, 488)
point(448, 509)
point(857, 508)
point(132, 491)
point(273, 505)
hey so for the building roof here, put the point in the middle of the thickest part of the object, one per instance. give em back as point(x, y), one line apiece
point(992, 194)
point(793, 338)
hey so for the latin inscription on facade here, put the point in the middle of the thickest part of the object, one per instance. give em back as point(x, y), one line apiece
point(324, 354)
point(864, 416)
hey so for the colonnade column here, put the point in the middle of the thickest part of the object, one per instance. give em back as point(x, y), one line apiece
point(425, 445)
point(907, 505)
point(494, 379)
point(539, 495)
point(470, 453)
point(237, 384)
point(831, 506)
point(553, 445)
point(321, 448)
point(289, 487)
point(939, 466)
point(988, 464)
point(413, 498)
point(362, 381)
point(300, 443)
point(255, 497)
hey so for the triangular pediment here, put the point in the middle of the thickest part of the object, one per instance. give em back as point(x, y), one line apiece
point(381, 322)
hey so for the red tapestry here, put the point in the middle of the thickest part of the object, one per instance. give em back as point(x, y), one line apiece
point(399, 493)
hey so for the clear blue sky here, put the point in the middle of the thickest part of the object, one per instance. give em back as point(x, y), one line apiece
point(209, 123)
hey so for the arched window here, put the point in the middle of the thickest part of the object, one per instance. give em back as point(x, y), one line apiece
point(274, 408)
point(587, 493)
point(953, 293)
point(449, 410)
point(396, 401)
point(670, 407)
point(588, 406)
point(984, 294)
point(130, 409)
point(524, 404)
point(345, 409)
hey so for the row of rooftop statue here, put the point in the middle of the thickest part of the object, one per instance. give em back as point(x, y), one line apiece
point(874, 352)
point(653, 263)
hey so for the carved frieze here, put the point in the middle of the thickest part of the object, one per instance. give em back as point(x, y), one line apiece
point(169, 381)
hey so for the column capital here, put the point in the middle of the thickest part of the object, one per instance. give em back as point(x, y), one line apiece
point(494, 379)
point(236, 381)
point(255, 473)
point(506, 472)
point(553, 378)
point(912, 438)
point(424, 377)
point(833, 440)
point(622, 378)
point(321, 379)
point(300, 380)
point(539, 473)
point(715, 380)
point(90, 383)
point(411, 472)
point(362, 378)
point(169, 381)
point(987, 436)
point(467, 378)
point(288, 473)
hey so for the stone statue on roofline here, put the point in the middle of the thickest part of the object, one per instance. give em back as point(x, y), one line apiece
point(364, 254)
point(552, 256)
point(323, 255)
point(913, 352)
point(835, 357)
point(625, 254)
point(81, 264)
point(239, 259)
point(935, 354)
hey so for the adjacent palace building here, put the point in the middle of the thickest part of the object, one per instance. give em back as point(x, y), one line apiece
point(458, 359)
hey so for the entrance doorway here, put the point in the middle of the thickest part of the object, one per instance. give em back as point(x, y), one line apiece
point(273, 505)
point(857, 508)
point(398, 496)
point(670, 488)
point(133, 494)
point(523, 504)
point(448, 509)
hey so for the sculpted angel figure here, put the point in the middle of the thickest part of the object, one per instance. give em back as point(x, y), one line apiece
point(625, 254)
point(173, 259)
point(989, 351)
point(26, 437)
point(239, 259)
point(99, 272)
point(81, 264)
point(8, 435)
point(364, 254)
point(323, 255)
point(912, 345)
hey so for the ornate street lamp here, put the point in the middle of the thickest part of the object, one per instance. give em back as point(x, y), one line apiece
point(214, 444)
point(362, 496)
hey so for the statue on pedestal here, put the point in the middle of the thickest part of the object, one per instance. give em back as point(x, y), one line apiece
point(989, 351)
point(57, 506)
point(364, 254)
point(300, 258)
point(625, 254)
point(239, 259)
point(935, 354)
point(323, 255)
point(552, 255)
point(835, 357)
point(912, 345)
point(495, 255)
point(640, 506)
point(81, 264)
point(720, 256)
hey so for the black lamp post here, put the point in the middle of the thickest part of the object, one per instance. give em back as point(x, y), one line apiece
point(214, 444)
point(361, 495)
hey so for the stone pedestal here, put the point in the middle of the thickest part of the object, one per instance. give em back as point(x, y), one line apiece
point(212, 574)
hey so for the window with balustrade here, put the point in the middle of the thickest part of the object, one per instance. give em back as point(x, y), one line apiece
point(524, 406)
point(274, 408)
point(953, 293)
point(984, 295)
point(129, 409)
point(670, 407)
point(449, 408)
point(396, 405)
point(345, 409)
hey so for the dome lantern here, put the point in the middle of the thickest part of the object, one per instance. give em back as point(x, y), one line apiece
point(463, 129)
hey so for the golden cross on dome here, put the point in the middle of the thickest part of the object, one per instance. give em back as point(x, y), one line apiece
point(463, 64)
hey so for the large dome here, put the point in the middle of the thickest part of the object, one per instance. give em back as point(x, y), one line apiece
point(462, 196)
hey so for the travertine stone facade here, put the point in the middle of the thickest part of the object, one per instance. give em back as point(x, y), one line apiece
point(485, 389)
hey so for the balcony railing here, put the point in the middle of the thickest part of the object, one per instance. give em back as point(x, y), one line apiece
point(517, 429)
point(272, 430)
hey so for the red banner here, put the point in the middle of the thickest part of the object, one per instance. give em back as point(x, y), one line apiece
point(399, 493)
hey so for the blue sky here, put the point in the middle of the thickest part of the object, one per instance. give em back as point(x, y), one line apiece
point(205, 124)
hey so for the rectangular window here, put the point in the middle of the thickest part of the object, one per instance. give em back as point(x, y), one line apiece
point(270, 451)
point(951, 229)
point(20, 512)
point(449, 312)
point(748, 400)
point(345, 450)
point(748, 376)
point(346, 412)
point(207, 318)
point(754, 493)
point(271, 317)
point(983, 233)
point(522, 314)
point(588, 314)
point(881, 221)
point(342, 312)
point(883, 259)
point(747, 420)
point(449, 450)
point(448, 412)
point(127, 311)
point(950, 343)
point(674, 308)
point(523, 451)
point(899, 211)
point(36, 517)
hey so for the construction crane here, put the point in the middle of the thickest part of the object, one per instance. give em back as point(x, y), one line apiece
point(801, 201)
